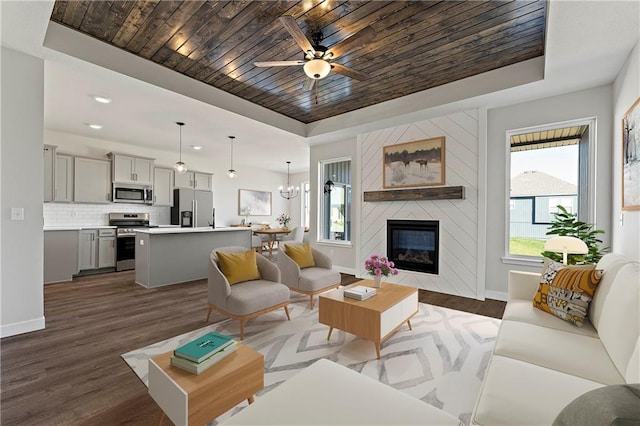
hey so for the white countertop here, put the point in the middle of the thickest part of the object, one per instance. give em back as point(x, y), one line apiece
point(76, 228)
point(156, 231)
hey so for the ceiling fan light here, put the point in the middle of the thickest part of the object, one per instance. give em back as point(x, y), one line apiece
point(317, 69)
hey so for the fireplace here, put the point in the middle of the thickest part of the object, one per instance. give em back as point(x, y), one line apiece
point(413, 244)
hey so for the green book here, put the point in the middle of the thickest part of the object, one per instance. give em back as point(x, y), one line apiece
point(203, 347)
point(197, 368)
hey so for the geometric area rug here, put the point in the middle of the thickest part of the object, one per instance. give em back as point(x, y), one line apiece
point(442, 361)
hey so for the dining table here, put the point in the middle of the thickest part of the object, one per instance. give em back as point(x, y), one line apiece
point(272, 233)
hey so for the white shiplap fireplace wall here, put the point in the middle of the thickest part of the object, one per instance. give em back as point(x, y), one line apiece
point(459, 273)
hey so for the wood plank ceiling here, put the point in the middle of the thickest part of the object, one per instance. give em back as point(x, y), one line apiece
point(418, 44)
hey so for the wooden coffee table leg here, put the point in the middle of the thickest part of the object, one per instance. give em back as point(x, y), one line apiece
point(377, 349)
point(330, 330)
point(409, 324)
point(250, 399)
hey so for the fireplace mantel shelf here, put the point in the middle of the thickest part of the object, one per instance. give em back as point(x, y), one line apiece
point(417, 194)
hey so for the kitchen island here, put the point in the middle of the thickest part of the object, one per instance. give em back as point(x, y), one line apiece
point(167, 256)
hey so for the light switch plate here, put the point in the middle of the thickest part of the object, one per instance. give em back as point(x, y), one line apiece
point(17, 213)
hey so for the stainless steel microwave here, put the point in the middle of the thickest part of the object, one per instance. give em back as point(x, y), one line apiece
point(138, 194)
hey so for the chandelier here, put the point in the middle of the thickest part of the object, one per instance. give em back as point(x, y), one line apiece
point(180, 167)
point(231, 173)
point(289, 192)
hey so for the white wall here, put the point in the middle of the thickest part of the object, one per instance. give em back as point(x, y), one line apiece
point(626, 90)
point(459, 231)
point(594, 102)
point(225, 189)
point(21, 252)
point(343, 256)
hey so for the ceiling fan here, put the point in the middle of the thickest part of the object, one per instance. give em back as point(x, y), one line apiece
point(317, 58)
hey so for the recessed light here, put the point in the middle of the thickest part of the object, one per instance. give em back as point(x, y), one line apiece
point(196, 147)
point(95, 126)
point(102, 99)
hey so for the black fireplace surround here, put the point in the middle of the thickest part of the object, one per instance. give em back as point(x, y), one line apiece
point(413, 244)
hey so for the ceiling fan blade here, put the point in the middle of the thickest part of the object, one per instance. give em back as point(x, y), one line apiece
point(349, 72)
point(363, 36)
point(278, 63)
point(290, 24)
point(308, 84)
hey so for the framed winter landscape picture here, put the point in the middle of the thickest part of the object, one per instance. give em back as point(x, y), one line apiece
point(254, 203)
point(631, 158)
point(410, 164)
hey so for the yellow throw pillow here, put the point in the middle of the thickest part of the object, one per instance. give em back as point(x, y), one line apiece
point(301, 254)
point(239, 267)
point(567, 291)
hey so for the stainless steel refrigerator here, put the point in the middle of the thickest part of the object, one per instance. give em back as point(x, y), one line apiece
point(199, 203)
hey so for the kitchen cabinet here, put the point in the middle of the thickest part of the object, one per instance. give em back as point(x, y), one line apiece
point(60, 255)
point(92, 180)
point(87, 249)
point(63, 188)
point(129, 169)
point(97, 249)
point(106, 248)
point(194, 180)
point(162, 187)
point(49, 155)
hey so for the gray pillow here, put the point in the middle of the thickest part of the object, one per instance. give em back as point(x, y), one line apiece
point(617, 405)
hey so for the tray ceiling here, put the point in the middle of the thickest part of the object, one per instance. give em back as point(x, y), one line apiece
point(418, 44)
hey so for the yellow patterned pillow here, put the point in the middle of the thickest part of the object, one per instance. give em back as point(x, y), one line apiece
point(567, 291)
point(238, 267)
point(301, 254)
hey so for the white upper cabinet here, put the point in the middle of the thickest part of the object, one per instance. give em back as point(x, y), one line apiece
point(162, 187)
point(203, 181)
point(63, 187)
point(129, 169)
point(92, 181)
point(194, 180)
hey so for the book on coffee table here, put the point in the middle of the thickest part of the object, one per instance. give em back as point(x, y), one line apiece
point(360, 292)
point(203, 347)
point(199, 367)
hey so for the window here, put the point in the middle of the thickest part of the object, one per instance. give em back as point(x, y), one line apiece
point(335, 191)
point(549, 166)
point(306, 199)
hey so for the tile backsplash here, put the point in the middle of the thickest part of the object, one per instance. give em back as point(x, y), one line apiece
point(64, 214)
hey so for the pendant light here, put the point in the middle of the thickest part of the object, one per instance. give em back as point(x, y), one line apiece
point(289, 192)
point(180, 167)
point(231, 173)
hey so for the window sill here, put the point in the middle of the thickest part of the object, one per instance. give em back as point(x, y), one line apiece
point(522, 261)
point(334, 243)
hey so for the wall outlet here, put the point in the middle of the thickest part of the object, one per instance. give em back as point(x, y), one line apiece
point(17, 213)
point(141, 242)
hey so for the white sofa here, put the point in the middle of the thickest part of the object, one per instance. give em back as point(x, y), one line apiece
point(542, 363)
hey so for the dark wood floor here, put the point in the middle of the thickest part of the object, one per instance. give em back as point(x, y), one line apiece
point(71, 372)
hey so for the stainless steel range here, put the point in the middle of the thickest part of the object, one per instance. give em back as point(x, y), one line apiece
point(127, 224)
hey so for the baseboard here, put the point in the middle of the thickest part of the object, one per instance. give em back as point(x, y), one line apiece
point(21, 327)
point(343, 270)
point(496, 295)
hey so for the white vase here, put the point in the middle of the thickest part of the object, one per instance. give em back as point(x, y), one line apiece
point(377, 281)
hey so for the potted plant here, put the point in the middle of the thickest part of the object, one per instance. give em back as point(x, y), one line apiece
point(284, 220)
point(379, 266)
point(566, 224)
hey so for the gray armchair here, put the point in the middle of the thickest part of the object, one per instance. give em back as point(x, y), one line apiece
point(249, 299)
point(314, 280)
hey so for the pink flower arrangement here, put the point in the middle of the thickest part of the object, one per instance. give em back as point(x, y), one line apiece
point(380, 266)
